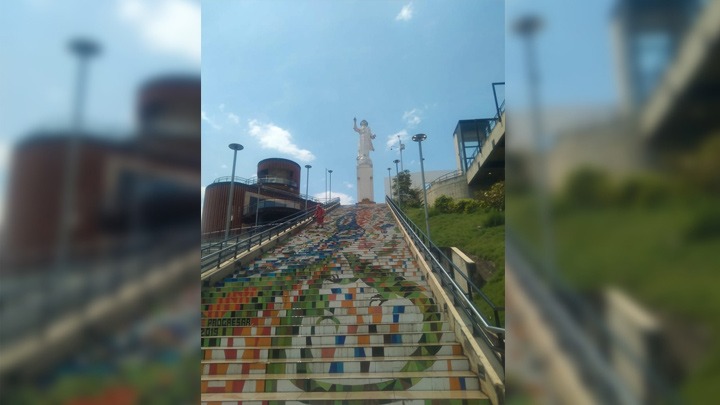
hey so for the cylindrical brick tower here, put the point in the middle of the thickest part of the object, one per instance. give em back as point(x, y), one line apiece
point(282, 174)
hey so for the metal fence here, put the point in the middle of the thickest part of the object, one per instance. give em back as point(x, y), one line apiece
point(443, 267)
point(215, 254)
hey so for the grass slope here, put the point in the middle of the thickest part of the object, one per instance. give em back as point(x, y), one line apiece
point(467, 233)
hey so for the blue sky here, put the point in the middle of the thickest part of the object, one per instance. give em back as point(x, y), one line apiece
point(299, 69)
point(140, 39)
point(286, 78)
point(574, 52)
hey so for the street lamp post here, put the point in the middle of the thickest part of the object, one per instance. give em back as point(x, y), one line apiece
point(527, 27)
point(257, 206)
point(402, 147)
point(419, 138)
point(330, 171)
point(235, 147)
point(84, 49)
point(397, 181)
point(307, 185)
point(390, 183)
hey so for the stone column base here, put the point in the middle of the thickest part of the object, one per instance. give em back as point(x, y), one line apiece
point(365, 183)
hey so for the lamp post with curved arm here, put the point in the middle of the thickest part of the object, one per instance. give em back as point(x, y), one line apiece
point(307, 184)
point(235, 147)
point(397, 181)
point(419, 138)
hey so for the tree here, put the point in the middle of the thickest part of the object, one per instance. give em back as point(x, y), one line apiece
point(408, 196)
point(493, 197)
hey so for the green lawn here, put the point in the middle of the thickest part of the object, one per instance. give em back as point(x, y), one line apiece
point(653, 253)
point(467, 233)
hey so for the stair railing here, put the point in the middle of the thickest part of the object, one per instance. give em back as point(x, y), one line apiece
point(236, 245)
point(442, 266)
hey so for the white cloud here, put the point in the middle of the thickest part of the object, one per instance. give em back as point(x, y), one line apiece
point(273, 137)
point(405, 13)
point(221, 107)
point(344, 198)
point(223, 166)
point(348, 185)
point(171, 26)
point(234, 118)
point(392, 140)
point(204, 117)
point(412, 117)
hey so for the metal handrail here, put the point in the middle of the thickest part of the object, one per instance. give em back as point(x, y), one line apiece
point(493, 335)
point(234, 246)
point(557, 301)
point(236, 179)
point(448, 175)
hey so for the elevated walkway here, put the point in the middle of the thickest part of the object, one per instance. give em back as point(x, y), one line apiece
point(340, 313)
point(683, 108)
point(488, 166)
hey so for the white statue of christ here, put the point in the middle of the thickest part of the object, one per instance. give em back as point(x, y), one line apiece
point(365, 144)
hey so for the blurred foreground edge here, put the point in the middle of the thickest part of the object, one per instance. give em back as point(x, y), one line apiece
point(102, 295)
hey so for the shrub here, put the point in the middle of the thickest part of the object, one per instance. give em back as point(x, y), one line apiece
point(467, 206)
point(705, 225)
point(494, 197)
point(642, 191)
point(588, 187)
point(444, 204)
point(494, 218)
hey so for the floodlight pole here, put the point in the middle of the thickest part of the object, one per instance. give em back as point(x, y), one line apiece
point(397, 180)
point(235, 147)
point(307, 185)
point(419, 138)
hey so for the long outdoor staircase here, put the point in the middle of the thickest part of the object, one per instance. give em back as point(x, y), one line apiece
point(340, 314)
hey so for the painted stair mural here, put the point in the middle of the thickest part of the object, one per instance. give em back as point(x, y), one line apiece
point(336, 315)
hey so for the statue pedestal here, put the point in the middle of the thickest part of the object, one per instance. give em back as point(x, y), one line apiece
point(365, 183)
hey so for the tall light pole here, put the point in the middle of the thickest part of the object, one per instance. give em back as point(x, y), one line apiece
point(235, 148)
point(330, 171)
point(84, 49)
point(397, 181)
point(419, 138)
point(402, 147)
point(527, 27)
point(390, 183)
point(257, 206)
point(307, 184)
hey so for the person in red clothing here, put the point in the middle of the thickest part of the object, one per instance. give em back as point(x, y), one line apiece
point(319, 215)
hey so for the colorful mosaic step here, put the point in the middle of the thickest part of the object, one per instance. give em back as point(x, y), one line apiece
point(347, 329)
point(278, 297)
point(332, 351)
point(350, 398)
point(335, 314)
point(282, 285)
point(331, 311)
point(299, 341)
point(352, 365)
point(335, 319)
point(342, 382)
